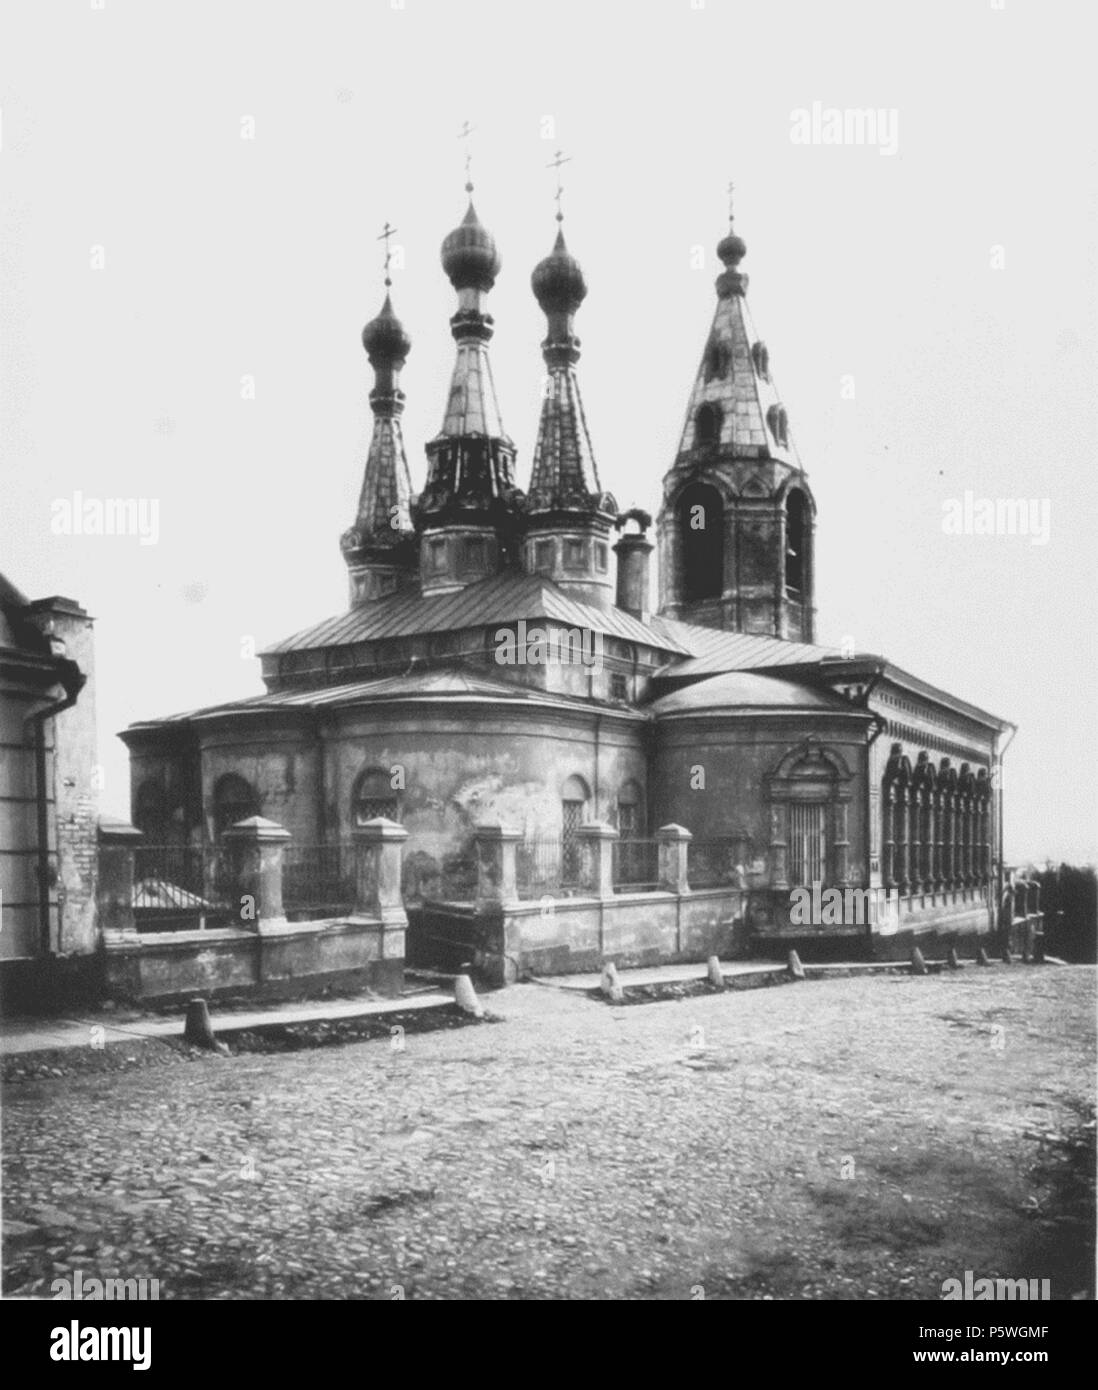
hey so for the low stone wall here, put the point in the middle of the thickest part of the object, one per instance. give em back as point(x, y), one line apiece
point(294, 960)
point(572, 935)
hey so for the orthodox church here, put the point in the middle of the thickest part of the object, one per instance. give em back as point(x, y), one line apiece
point(501, 659)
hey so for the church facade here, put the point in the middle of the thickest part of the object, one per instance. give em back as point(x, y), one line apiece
point(502, 660)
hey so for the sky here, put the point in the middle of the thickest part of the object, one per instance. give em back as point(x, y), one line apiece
point(191, 202)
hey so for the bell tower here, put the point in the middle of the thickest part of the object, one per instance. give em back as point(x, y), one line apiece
point(736, 527)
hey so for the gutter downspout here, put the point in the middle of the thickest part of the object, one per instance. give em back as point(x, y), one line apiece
point(72, 681)
point(999, 799)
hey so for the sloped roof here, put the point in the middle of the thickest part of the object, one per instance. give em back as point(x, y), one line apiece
point(472, 407)
point(710, 650)
point(443, 686)
point(741, 690)
point(504, 598)
point(743, 394)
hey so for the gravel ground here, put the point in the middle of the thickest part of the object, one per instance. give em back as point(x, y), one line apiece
point(849, 1138)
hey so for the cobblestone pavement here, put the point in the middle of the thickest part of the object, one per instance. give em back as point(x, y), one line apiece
point(853, 1138)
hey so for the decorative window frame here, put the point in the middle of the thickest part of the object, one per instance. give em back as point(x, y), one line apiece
point(834, 788)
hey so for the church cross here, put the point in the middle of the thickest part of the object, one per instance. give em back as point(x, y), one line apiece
point(555, 163)
point(387, 232)
point(731, 188)
point(464, 134)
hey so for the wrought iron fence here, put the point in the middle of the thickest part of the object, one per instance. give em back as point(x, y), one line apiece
point(180, 887)
point(319, 880)
point(540, 867)
point(713, 864)
point(636, 864)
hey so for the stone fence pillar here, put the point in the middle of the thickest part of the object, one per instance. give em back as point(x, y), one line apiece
point(674, 841)
point(378, 854)
point(597, 841)
point(255, 848)
point(114, 892)
point(496, 882)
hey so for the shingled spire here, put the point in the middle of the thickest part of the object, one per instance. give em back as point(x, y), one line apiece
point(468, 514)
point(380, 547)
point(736, 526)
point(568, 514)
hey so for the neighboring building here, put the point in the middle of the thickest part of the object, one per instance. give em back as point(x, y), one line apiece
point(431, 700)
point(48, 797)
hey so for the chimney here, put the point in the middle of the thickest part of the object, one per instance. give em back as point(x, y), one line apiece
point(633, 550)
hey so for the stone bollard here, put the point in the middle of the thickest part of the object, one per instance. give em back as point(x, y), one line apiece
point(952, 959)
point(794, 967)
point(982, 957)
point(610, 984)
point(197, 1029)
point(465, 997)
point(714, 973)
point(918, 965)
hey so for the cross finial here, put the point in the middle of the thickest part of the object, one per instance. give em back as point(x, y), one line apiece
point(555, 163)
point(464, 134)
point(386, 233)
point(731, 188)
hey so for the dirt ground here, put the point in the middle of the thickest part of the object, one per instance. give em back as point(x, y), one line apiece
point(840, 1139)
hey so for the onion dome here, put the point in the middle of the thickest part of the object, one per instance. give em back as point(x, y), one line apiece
point(384, 338)
point(557, 281)
point(469, 255)
point(731, 249)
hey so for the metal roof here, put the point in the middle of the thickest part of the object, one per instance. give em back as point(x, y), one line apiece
point(742, 690)
point(504, 598)
point(447, 686)
point(711, 651)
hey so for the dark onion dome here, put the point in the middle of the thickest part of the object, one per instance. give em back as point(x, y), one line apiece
point(557, 281)
point(384, 338)
point(731, 249)
point(469, 255)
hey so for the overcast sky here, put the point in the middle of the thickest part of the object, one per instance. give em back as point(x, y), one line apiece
point(944, 275)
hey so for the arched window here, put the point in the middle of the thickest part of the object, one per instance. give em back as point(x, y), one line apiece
point(630, 810)
point(574, 796)
point(234, 800)
point(373, 796)
point(778, 420)
point(896, 825)
point(925, 870)
point(707, 424)
point(796, 542)
point(716, 360)
point(701, 538)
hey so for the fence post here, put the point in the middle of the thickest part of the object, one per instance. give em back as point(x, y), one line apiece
point(597, 839)
point(496, 882)
point(255, 848)
point(379, 848)
point(114, 892)
point(674, 841)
